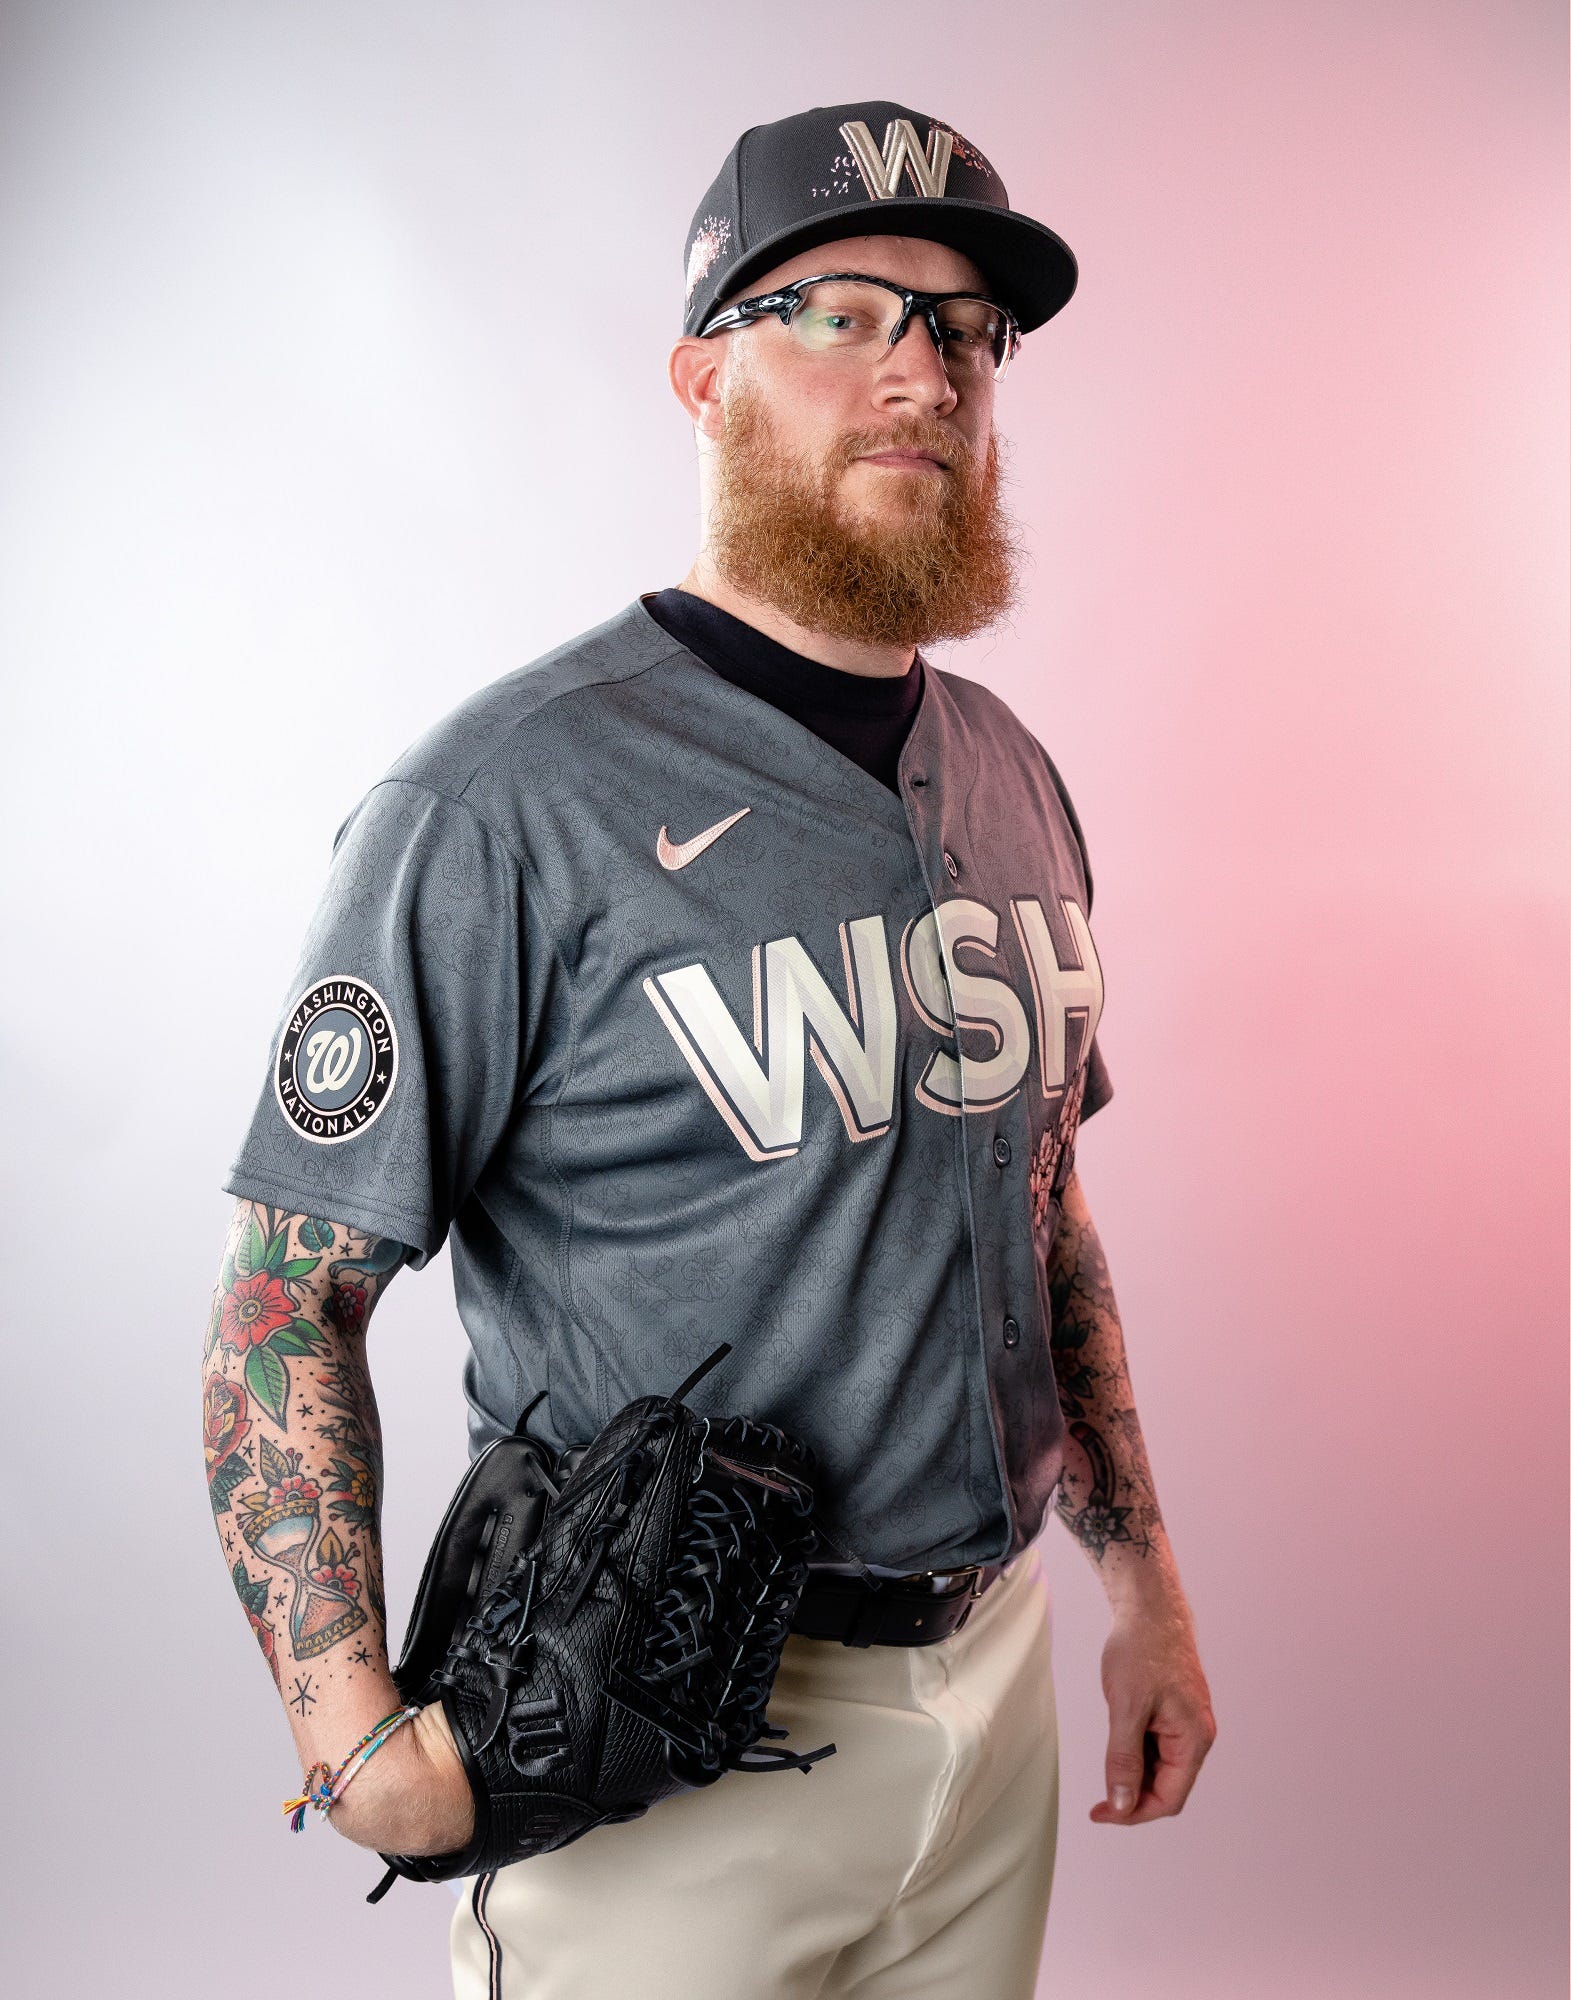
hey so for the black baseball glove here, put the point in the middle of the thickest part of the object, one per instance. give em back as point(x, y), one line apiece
point(605, 1631)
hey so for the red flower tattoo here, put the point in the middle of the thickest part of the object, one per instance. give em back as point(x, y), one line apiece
point(348, 1302)
point(337, 1576)
point(296, 1487)
point(254, 1310)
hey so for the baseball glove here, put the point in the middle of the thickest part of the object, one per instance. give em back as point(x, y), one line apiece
point(605, 1631)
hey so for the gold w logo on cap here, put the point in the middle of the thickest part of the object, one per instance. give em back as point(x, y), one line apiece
point(902, 152)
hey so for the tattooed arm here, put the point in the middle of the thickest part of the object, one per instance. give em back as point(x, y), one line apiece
point(1160, 1721)
point(294, 1466)
point(1106, 1500)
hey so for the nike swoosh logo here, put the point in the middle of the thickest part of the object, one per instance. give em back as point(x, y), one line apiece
point(674, 854)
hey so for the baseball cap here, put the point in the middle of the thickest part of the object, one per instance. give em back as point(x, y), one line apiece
point(875, 169)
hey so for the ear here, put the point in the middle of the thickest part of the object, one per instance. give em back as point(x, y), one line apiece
point(697, 371)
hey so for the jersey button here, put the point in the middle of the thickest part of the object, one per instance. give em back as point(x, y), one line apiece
point(1001, 1151)
point(951, 864)
point(1011, 1333)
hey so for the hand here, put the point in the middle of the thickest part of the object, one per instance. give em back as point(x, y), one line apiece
point(1159, 1709)
point(413, 1797)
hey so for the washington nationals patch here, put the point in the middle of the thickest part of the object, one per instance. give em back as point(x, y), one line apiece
point(337, 1060)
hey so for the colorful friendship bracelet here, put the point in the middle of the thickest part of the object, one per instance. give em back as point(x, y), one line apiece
point(326, 1795)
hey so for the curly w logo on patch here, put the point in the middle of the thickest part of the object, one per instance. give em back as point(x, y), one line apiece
point(337, 1060)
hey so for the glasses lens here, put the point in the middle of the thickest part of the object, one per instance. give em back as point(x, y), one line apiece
point(849, 316)
point(844, 314)
point(975, 334)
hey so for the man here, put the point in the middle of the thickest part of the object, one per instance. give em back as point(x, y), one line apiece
point(558, 1001)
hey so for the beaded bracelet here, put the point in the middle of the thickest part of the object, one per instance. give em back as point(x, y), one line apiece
point(326, 1795)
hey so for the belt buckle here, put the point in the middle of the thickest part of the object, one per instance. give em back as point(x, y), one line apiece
point(971, 1597)
point(939, 1580)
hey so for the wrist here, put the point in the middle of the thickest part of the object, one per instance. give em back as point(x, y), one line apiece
point(1147, 1596)
point(1144, 1585)
point(413, 1796)
point(326, 1733)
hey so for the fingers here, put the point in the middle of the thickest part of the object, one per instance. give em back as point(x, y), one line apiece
point(1153, 1781)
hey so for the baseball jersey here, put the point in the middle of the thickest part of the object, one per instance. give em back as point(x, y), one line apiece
point(681, 1028)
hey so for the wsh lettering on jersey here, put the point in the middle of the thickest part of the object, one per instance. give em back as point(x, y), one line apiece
point(757, 1085)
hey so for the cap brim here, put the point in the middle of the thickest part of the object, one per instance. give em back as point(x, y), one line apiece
point(1032, 270)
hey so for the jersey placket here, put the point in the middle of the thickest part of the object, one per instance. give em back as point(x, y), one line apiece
point(936, 772)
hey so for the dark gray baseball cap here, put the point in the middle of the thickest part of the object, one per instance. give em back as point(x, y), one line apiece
point(874, 169)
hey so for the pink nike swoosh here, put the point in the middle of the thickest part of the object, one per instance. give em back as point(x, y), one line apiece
point(672, 854)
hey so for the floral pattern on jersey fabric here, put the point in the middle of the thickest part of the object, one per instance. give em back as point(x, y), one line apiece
point(1055, 1153)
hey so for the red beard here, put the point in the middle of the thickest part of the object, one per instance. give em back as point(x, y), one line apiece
point(941, 562)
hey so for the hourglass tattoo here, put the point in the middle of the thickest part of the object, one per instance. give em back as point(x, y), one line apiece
point(1106, 1497)
point(294, 1449)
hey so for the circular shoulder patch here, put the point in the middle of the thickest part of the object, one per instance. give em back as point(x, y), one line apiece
point(337, 1060)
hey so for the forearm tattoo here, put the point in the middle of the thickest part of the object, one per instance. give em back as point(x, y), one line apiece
point(1106, 1497)
point(293, 1444)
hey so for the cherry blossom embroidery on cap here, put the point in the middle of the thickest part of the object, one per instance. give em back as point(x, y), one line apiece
point(714, 233)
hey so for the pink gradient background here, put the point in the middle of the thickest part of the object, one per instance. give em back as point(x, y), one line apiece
point(290, 461)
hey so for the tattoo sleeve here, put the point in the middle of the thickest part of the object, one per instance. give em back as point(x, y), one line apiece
point(1106, 1498)
point(294, 1457)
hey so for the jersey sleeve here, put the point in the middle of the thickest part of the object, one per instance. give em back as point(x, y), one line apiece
point(1099, 1084)
point(395, 1066)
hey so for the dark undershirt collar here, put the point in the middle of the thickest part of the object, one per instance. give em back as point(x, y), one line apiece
point(866, 718)
point(742, 654)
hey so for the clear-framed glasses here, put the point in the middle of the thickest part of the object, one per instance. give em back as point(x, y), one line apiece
point(849, 313)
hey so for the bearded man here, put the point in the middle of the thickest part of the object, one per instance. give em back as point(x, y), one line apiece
point(557, 1004)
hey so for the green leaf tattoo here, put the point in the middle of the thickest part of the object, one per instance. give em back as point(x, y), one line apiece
point(268, 1380)
point(316, 1235)
point(252, 1592)
point(299, 1337)
point(224, 1481)
point(253, 1250)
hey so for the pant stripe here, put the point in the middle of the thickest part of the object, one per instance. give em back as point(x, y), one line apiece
point(493, 1942)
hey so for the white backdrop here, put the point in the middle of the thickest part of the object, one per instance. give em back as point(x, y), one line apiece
point(298, 446)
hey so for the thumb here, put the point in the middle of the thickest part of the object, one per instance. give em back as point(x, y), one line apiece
point(1126, 1767)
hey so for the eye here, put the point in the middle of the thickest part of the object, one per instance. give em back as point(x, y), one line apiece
point(838, 326)
point(834, 319)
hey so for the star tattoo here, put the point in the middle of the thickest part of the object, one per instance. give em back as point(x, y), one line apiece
point(361, 1657)
point(302, 1698)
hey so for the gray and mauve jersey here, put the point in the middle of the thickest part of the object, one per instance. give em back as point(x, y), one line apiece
point(687, 1029)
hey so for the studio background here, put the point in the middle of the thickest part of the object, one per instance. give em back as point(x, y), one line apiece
point(332, 386)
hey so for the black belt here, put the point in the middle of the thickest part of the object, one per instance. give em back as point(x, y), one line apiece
point(914, 1610)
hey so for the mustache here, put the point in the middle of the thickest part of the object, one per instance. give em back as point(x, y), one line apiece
point(933, 439)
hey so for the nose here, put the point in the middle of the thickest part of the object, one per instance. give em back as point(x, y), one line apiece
point(913, 370)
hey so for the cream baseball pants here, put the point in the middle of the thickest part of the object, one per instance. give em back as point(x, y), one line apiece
point(914, 1864)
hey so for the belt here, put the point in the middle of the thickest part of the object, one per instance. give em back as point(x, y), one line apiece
point(916, 1610)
